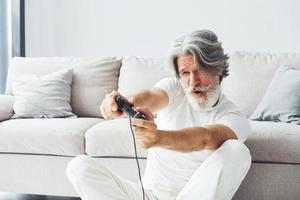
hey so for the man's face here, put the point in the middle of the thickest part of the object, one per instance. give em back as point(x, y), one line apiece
point(200, 85)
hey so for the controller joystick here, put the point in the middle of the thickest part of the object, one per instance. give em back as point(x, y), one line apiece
point(125, 106)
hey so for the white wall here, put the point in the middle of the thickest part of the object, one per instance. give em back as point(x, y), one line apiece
point(146, 28)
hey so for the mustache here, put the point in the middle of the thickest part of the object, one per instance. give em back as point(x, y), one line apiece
point(199, 89)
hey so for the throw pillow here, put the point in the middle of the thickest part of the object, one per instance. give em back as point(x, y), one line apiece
point(282, 99)
point(47, 96)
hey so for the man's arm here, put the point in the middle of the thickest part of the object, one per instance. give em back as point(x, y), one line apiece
point(154, 99)
point(183, 140)
point(195, 138)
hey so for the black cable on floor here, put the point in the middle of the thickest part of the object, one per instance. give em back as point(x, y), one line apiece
point(137, 160)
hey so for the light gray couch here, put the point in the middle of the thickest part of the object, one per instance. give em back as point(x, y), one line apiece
point(34, 152)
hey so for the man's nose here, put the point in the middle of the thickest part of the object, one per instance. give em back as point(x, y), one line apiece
point(194, 80)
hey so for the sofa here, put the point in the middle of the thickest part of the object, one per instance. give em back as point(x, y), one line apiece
point(34, 152)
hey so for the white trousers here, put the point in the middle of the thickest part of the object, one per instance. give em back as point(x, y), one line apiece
point(218, 177)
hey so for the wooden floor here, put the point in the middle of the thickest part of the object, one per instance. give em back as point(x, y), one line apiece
point(11, 196)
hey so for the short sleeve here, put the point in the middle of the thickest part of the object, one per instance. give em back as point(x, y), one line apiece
point(171, 86)
point(237, 123)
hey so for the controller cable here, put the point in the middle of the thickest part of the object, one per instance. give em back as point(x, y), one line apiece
point(137, 160)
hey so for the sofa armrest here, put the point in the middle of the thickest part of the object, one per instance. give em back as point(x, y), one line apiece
point(6, 107)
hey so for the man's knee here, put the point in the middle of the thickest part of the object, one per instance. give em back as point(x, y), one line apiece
point(237, 150)
point(78, 166)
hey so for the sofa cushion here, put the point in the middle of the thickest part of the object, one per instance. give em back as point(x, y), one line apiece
point(92, 78)
point(282, 99)
point(274, 142)
point(250, 75)
point(56, 136)
point(142, 73)
point(6, 107)
point(91, 81)
point(47, 96)
point(112, 138)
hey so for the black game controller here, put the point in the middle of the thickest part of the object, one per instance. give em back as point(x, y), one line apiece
point(126, 107)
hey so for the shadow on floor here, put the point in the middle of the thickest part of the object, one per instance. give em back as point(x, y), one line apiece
point(11, 196)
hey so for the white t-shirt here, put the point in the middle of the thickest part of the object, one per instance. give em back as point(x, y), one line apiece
point(167, 171)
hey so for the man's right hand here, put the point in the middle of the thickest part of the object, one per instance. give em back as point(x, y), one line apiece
point(154, 99)
point(109, 107)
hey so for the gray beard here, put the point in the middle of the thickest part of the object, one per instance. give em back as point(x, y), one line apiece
point(205, 103)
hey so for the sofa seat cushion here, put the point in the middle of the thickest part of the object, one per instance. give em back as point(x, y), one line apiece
point(112, 138)
point(57, 136)
point(274, 142)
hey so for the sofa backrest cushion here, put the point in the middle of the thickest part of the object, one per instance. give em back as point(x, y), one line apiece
point(250, 75)
point(141, 73)
point(92, 78)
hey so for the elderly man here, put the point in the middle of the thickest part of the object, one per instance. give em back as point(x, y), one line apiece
point(195, 146)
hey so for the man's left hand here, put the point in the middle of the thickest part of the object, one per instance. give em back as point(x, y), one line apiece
point(145, 131)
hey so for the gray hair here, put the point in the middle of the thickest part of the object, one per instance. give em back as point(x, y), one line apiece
point(206, 50)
